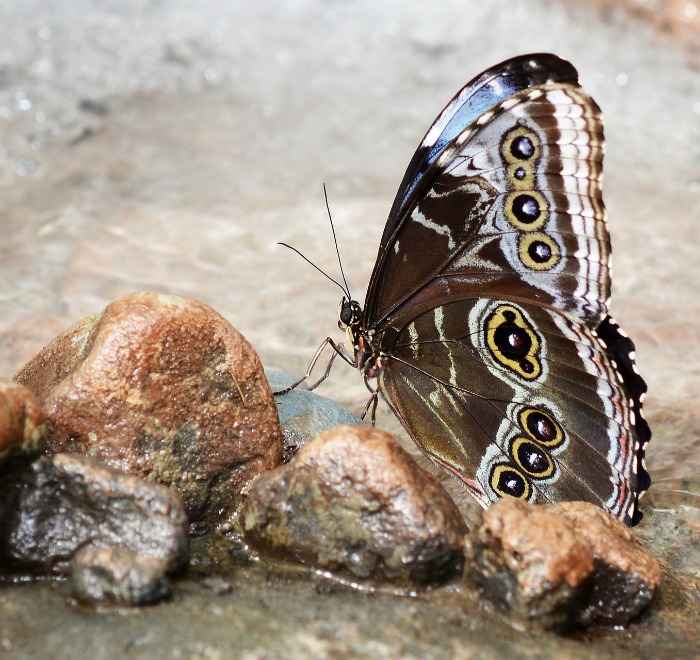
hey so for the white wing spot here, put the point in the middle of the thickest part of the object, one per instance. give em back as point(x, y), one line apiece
point(434, 397)
point(433, 134)
point(509, 103)
point(441, 230)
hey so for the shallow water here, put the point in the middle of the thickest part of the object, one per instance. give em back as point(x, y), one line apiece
point(151, 145)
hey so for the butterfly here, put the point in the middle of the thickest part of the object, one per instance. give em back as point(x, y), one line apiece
point(486, 325)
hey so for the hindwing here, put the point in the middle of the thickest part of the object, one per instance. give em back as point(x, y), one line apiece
point(520, 400)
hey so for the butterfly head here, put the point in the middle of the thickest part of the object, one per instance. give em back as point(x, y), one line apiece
point(349, 317)
point(349, 314)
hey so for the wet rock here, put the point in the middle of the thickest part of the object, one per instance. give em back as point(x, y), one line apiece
point(118, 576)
point(22, 438)
point(529, 561)
point(561, 565)
point(304, 414)
point(162, 387)
point(626, 575)
point(22, 427)
point(353, 499)
point(68, 502)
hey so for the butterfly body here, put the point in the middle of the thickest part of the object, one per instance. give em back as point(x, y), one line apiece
point(485, 323)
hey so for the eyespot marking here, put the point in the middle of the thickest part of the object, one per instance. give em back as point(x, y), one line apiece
point(508, 481)
point(513, 342)
point(538, 251)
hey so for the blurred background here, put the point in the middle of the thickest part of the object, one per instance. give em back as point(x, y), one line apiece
point(170, 144)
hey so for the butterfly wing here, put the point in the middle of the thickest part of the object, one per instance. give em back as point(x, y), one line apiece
point(478, 96)
point(498, 245)
point(512, 204)
point(547, 417)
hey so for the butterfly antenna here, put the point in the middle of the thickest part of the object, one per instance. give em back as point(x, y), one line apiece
point(335, 240)
point(308, 261)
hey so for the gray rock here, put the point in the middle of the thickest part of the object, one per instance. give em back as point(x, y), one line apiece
point(278, 379)
point(68, 502)
point(353, 499)
point(118, 576)
point(303, 413)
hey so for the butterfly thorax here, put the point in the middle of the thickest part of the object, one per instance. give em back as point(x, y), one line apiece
point(366, 355)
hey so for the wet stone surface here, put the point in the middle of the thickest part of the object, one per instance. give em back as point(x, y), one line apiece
point(561, 566)
point(67, 502)
point(352, 499)
point(162, 387)
point(22, 427)
point(118, 576)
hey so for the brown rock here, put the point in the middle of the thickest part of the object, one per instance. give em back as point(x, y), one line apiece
point(162, 387)
point(22, 424)
point(22, 438)
point(118, 576)
point(68, 502)
point(352, 498)
point(562, 565)
point(530, 561)
point(626, 574)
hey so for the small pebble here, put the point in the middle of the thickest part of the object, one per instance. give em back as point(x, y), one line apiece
point(118, 576)
point(22, 426)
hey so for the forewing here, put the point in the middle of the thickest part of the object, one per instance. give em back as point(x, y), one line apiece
point(512, 207)
point(478, 96)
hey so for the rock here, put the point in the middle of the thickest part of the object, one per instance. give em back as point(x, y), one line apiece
point(626, 574)
point(118, 576)
point(304, 414)
point(22, 438)
point(562, 565)
point(22, 427)
point(353, 499)
point(68, 502)
point(161, 387)
point(529, 561)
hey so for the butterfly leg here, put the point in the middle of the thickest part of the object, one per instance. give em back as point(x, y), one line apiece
point(338, 349)
point(371, 404)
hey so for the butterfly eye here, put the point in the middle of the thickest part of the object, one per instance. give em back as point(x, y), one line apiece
point(507, 481)
point(541, 427)
point(526, 208)
point(531, 458)
point(349, 313)
point(344, 317)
